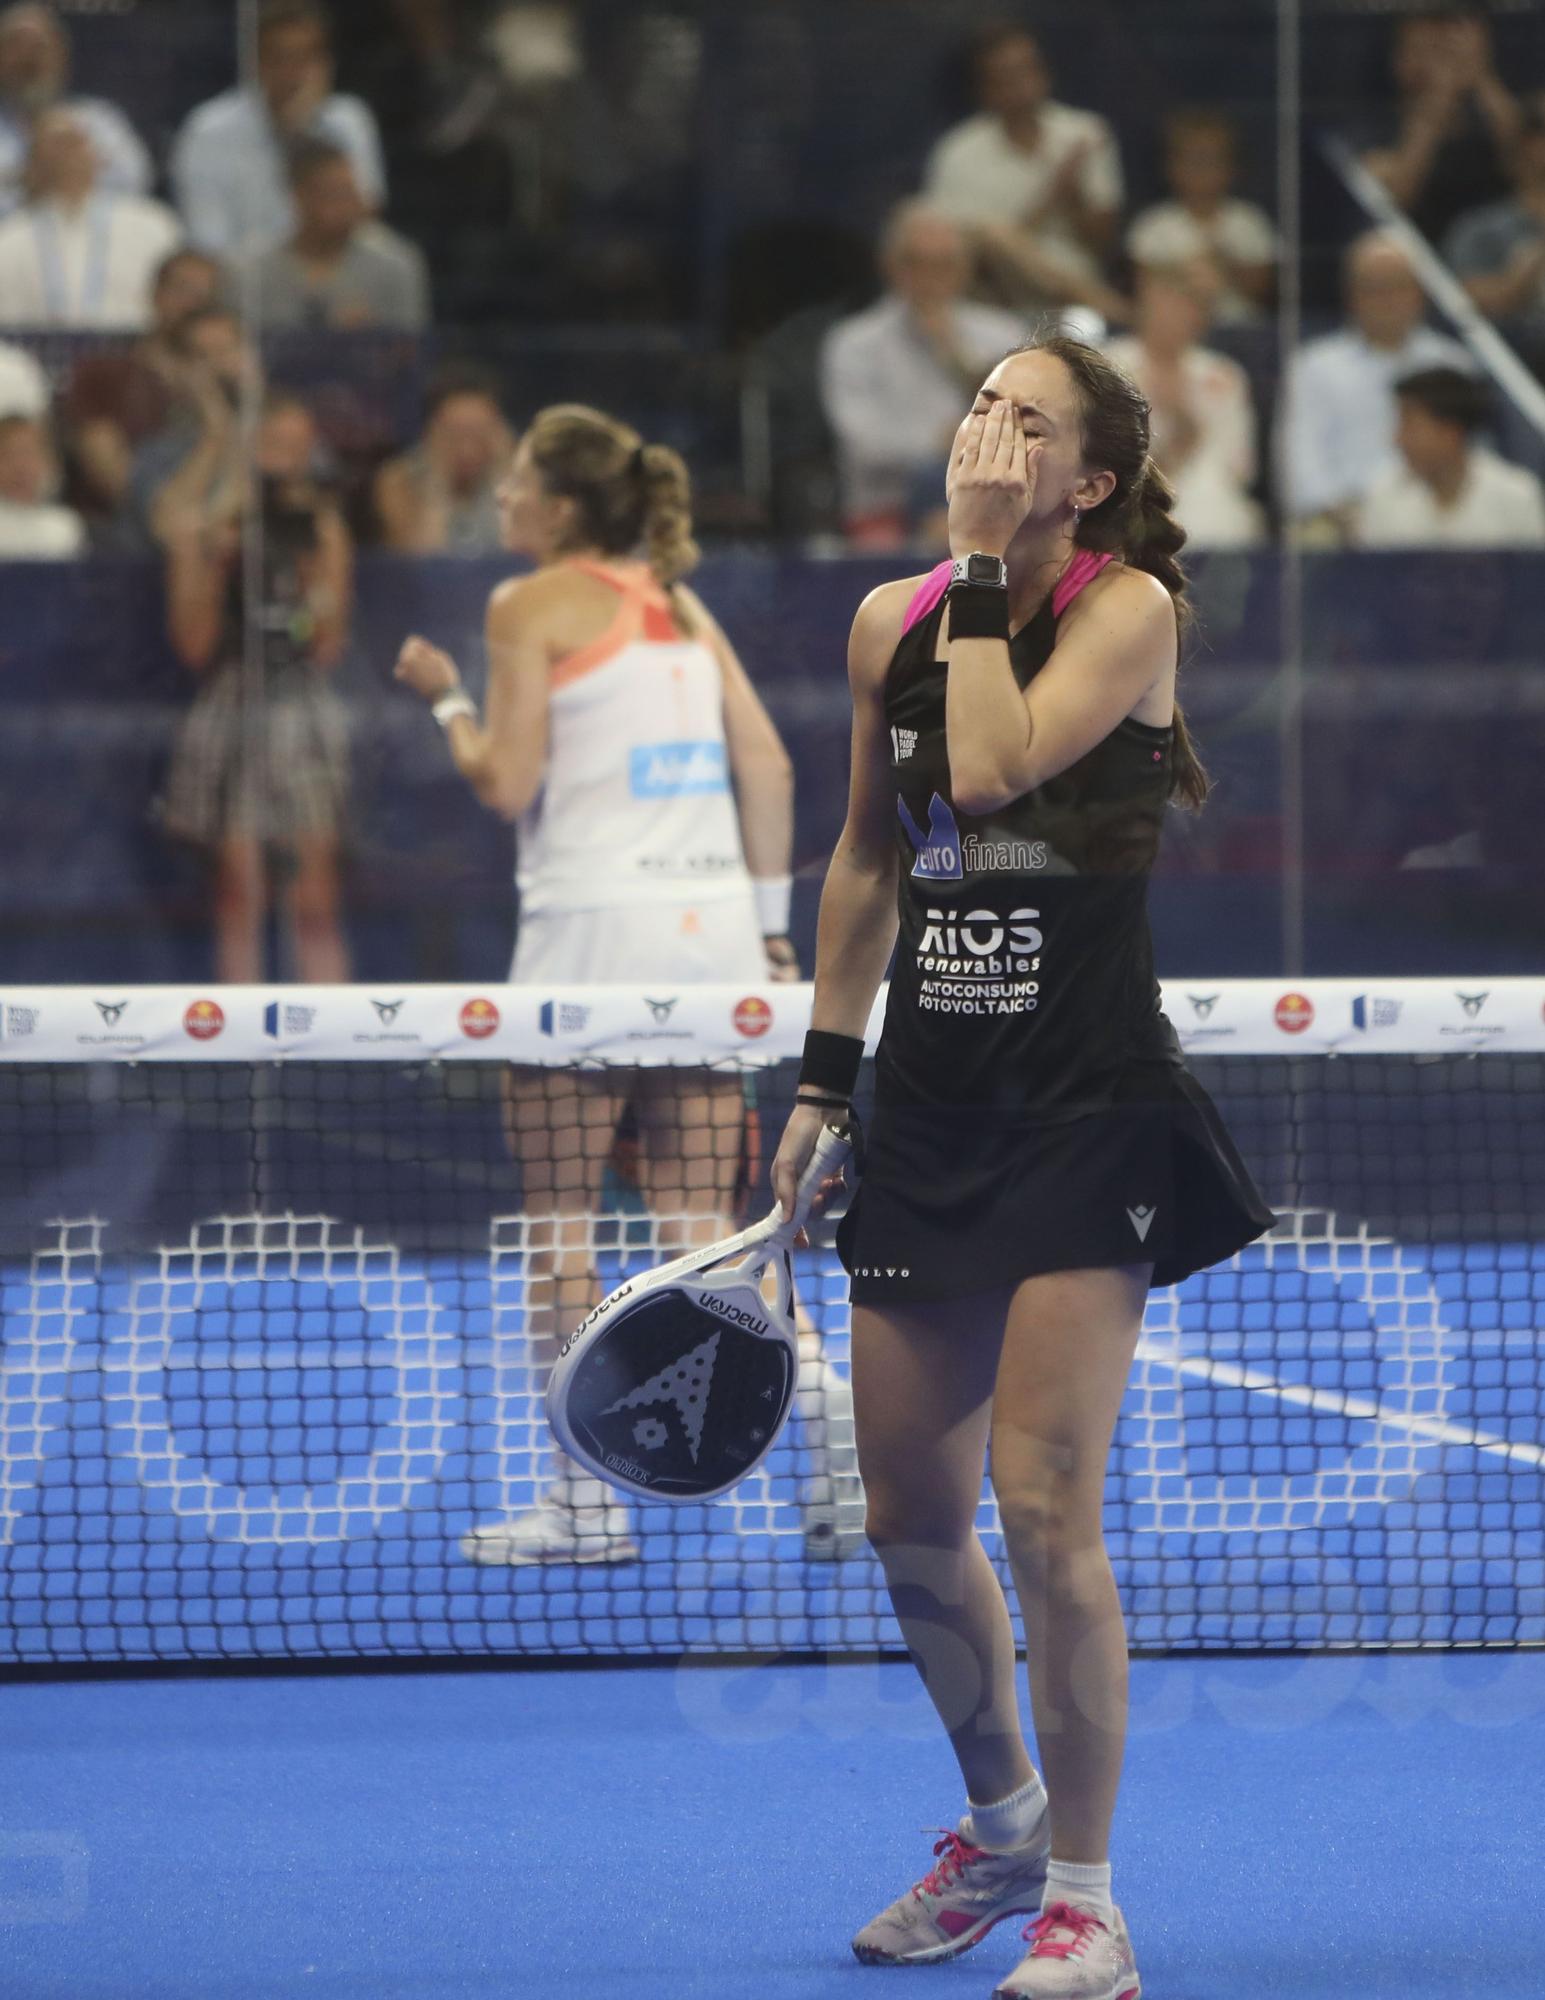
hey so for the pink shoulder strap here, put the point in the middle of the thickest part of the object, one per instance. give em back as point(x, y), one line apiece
point(1082, 570)
point(927, 595)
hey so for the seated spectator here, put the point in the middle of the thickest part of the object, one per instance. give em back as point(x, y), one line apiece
point(34, 72)
point(32, 527)
point(116, 400)
point(1498, 252)
point(1037, 183)
point(194, 463)
point(895, 378)
point(1444, 147)
point(1204, 219)
point(23, 385)
point(228, 165)
point(1448, 490)
point(1339, 427)
point(76, 255)
point(339, 270)
point(440, 497)
point(467, 163)
point(261, 786)
point(1203, 421)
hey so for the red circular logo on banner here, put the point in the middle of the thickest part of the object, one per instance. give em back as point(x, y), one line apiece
point(752, 1016)
point(1294, 1013)
point(204, 1020)
point(479, 1018)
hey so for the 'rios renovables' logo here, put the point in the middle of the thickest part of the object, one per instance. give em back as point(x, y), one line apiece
point(204, 1020)
point(752, 1017)
point(479, 1019)
point(1294, 1013)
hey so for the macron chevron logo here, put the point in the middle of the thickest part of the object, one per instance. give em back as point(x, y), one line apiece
point(684, 1387)
point(1141, 1219)
point(937, 850)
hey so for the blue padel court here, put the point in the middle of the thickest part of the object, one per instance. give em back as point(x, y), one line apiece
point(1316, 1829)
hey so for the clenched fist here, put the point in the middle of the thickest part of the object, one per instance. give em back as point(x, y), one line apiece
point(426, 670)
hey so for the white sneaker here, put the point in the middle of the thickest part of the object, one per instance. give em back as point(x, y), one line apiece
point(831, 1513)
point(575, 1521)
point(1074, 1955)
point(957, 1902)
point(831, 1498)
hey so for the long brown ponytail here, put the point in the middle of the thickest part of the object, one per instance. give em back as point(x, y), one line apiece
point(1136, 520)
point(628, 495)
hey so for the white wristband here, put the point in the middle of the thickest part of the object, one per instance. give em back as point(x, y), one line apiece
point(457, 702)
point(773, 894)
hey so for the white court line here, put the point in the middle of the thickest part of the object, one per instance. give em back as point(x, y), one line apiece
point(1437, 1428)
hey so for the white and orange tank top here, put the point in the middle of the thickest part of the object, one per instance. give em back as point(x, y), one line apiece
point(636, 803)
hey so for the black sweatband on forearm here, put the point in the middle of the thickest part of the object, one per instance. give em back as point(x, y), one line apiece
point(978, 611)
point(831, 1062)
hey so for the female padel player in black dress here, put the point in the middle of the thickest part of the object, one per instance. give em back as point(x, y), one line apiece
point(1039, 1155)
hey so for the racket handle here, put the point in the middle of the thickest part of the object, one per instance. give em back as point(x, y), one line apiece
point(833, 1148)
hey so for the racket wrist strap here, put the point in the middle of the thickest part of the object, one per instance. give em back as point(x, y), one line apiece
point(831, 1063)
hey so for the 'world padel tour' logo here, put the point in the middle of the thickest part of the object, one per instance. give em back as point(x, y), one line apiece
point(1294, 1013)
point(204, 1020)
point(479, 1019)
point(752, 1017)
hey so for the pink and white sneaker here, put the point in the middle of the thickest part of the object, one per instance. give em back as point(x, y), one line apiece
point(1074, 1955)
point(957, 1903)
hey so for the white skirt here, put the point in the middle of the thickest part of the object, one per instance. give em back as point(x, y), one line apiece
point(680, 942)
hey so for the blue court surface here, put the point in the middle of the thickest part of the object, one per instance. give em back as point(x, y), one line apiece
point(1367, 1827)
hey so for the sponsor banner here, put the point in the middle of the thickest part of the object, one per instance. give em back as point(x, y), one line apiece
point(665, 1024)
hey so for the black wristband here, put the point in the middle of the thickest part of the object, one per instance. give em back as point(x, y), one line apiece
point(821, 1101)
point(978, 611)
point(831, 1062)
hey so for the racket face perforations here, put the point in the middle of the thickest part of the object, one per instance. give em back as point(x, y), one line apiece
point(676, 1400)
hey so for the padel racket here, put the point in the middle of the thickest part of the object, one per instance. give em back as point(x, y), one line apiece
point(680, 1380)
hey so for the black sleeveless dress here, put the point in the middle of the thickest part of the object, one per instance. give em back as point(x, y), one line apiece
point(1032, 1108)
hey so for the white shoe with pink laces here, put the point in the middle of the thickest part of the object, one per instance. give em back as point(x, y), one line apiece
point(957, 1902)
point(1074, 1955)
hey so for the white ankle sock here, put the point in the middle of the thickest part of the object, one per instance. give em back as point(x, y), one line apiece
point(1008, 1823)
point(1080, 1882)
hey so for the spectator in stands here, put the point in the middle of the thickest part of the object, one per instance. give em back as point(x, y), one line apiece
point(1499, 251)
point(260, 784)
point(1448, 490)
point(117, 400)
point(195, 460)
point(339, 270)
point(23, 385)
point(228, 166)
point(892, 376)
point(1203, 421)
point(32, 527)
point(1037, 183)
point(1339, 422)
point(441, 498)
point(1444, 147)
point(1204, 218)
point(34, 73)
point(77, 255)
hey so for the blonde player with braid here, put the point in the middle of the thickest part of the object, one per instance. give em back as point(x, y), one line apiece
point(654, 802)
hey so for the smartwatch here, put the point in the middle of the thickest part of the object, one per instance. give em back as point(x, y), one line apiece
point(977, 572)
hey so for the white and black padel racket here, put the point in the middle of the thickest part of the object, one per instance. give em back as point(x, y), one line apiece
point(679, 1382)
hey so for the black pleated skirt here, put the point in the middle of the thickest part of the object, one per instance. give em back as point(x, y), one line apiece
point(974, 1199)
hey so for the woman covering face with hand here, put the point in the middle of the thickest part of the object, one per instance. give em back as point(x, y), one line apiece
point(1040, 1155)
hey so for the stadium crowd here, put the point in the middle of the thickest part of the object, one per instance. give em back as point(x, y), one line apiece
point(156, 286)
